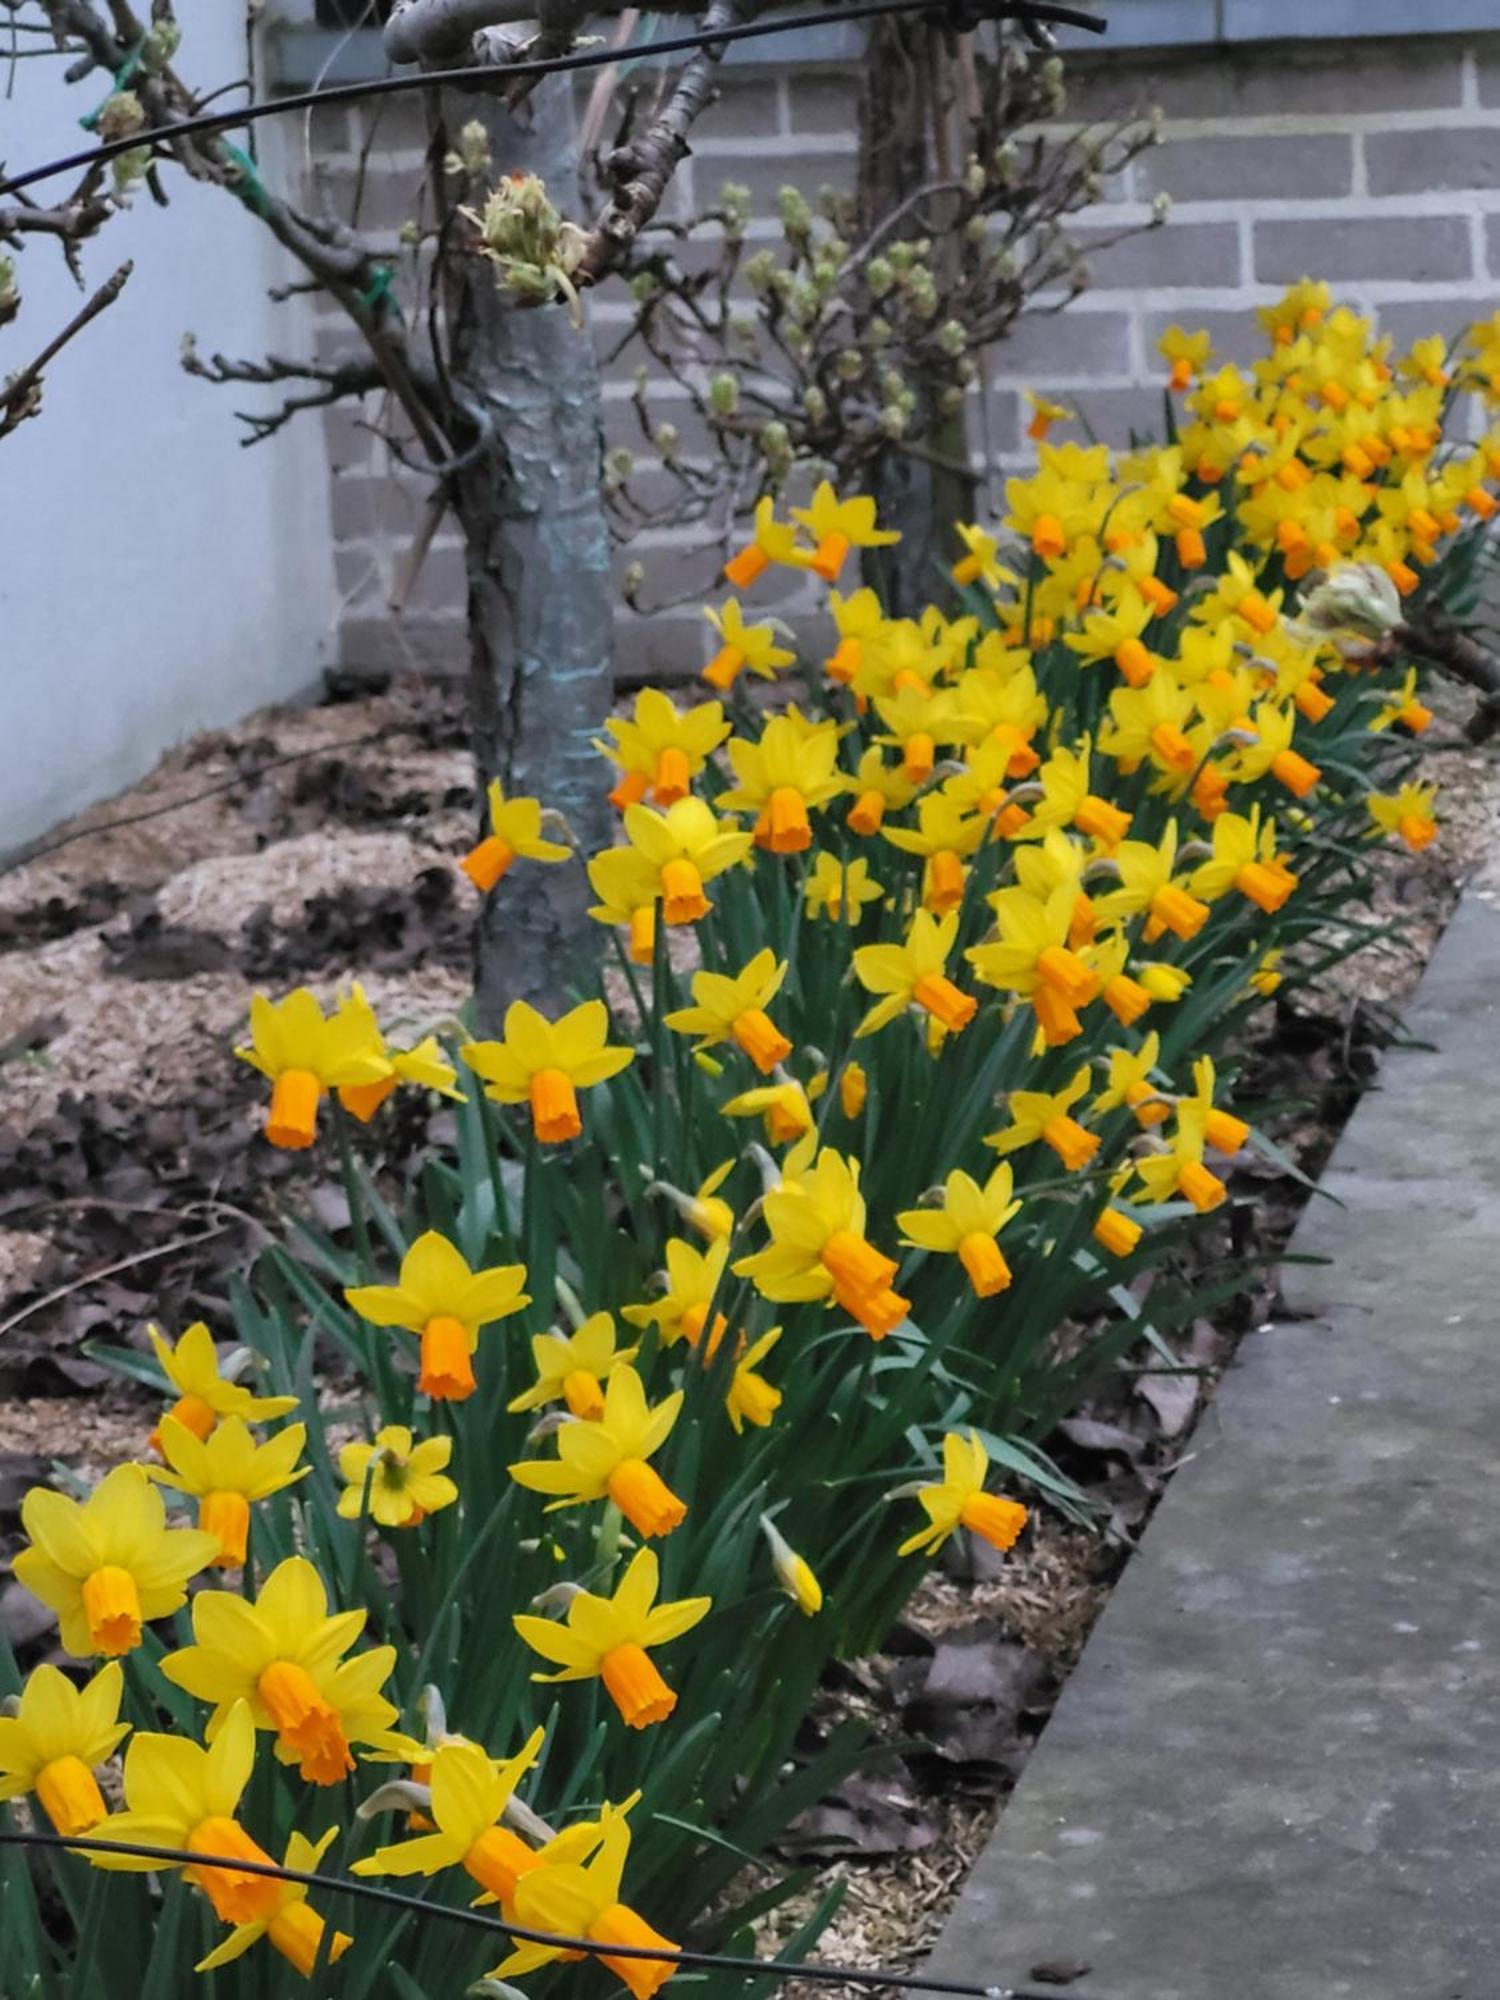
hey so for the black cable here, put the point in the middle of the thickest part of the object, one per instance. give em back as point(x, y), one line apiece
point(831, 1975)
point(1044, 11)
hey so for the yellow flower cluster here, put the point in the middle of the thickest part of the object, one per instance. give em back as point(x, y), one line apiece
point(999, 881)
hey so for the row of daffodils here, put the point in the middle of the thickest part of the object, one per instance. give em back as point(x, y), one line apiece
point(503, 1554)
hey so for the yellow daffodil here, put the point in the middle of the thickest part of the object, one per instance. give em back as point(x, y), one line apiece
point(793, 1572)
point(1178, 1168)
point(966, 1225)
point(734, 1010)
point(573, 1368)
point(424, 1066)
point(944, 836)
point(1407, 813)
point(546, 1063)
point(56, 1738)
point(291, 1926)
point(280, 1659)
point(1046, 1116)
point(818, 1248)
point(609, 1639)
point(839, 891)
point(858, 619)
point(960, 1501)
point(108, 1565)
point(705, 1209)
point(773, 542)
point(692, 1278)
point(1223, 1132)
point(445, 1303)
point(791, 768)
point(204, 1392)
point(305, 1053)
point(515, 834)
point(1189, 354)
point(837, 526)
point(1244, 858)
point(470, 1793)
point(396, 1480)
point(178, 1794)
point(1032, 957)
point(660, 749)
point(878, 788)
point(606, 1458)
point(783, 1104)
point(582, 1899)
point(913, 975)
point(627, 885)
point(743, 646)
point(1130, 1083)
point(750, 1398)
point(1146, 884)
point(1044, 415)
point(225, 1472)
point(686, 846)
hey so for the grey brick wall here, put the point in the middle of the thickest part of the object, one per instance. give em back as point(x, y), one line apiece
point(1374, 164)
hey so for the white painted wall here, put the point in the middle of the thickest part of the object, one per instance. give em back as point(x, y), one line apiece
point(155, 577)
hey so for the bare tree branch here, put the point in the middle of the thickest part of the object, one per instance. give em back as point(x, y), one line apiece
point(20, 397)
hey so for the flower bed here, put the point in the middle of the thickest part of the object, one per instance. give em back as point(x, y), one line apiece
point(759, 1275)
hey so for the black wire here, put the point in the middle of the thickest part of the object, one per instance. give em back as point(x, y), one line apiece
point(1046, 11)
point(831, 1975)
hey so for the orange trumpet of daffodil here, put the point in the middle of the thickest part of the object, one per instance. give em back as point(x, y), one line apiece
point(609, 1639)
point(445, 1303)
point(471, 1792)
point(546, 1063)
point(290, 1925)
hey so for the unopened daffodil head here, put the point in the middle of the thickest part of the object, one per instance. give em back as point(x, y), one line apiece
point(793, 1572)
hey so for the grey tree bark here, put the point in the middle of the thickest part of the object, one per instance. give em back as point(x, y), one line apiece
point(540, 598)
point(917, 491)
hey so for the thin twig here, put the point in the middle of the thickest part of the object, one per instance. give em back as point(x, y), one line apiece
point(109, 1271)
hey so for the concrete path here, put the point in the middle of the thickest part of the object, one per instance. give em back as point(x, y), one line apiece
point(1276, 1772)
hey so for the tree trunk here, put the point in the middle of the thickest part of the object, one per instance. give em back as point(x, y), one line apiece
point(540, 597)
point(898, 109)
